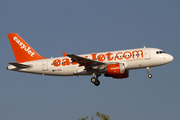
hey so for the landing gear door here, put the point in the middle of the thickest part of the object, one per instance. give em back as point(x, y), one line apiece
point(147, 54)
point(45, 65)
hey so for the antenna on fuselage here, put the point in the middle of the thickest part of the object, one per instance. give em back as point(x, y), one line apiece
point(144, 46)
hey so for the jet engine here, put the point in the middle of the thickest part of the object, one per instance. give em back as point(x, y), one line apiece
point(116, 71)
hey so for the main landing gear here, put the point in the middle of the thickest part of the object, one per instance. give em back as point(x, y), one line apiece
point(148, 70)
point(95, 80)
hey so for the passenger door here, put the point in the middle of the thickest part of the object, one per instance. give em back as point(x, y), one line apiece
point(147, 54)
point(45, 65)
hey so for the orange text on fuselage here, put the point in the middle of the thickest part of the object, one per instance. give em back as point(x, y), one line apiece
point(102, 57)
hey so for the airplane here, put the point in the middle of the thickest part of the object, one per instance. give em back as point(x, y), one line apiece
point(115, 64)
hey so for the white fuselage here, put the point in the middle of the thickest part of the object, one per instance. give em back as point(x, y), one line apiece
point(132, 58)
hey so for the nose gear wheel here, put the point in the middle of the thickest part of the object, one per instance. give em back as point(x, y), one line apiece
point(148, 70)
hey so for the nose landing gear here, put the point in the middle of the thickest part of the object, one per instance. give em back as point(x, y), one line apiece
point(148, 70)
point(95, 80)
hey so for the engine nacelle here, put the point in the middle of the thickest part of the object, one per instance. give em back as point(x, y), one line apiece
point(116, 69)
point(118, 76)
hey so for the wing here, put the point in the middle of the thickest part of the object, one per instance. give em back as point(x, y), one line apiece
point(84, 61)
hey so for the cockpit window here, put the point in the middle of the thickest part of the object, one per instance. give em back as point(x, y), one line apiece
point(160, 52)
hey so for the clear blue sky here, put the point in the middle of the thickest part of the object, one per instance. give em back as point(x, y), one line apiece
point(86, 26)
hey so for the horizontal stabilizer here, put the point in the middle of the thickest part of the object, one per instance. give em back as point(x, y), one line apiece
point(18, 65)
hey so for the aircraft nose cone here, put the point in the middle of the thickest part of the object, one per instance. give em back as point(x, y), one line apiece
point(170, 58)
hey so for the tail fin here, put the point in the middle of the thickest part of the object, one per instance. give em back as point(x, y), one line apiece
point(22, 51)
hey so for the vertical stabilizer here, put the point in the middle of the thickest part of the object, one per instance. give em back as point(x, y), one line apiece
point(22, 51)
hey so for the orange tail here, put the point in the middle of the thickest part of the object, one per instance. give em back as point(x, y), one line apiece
point(22, 51)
